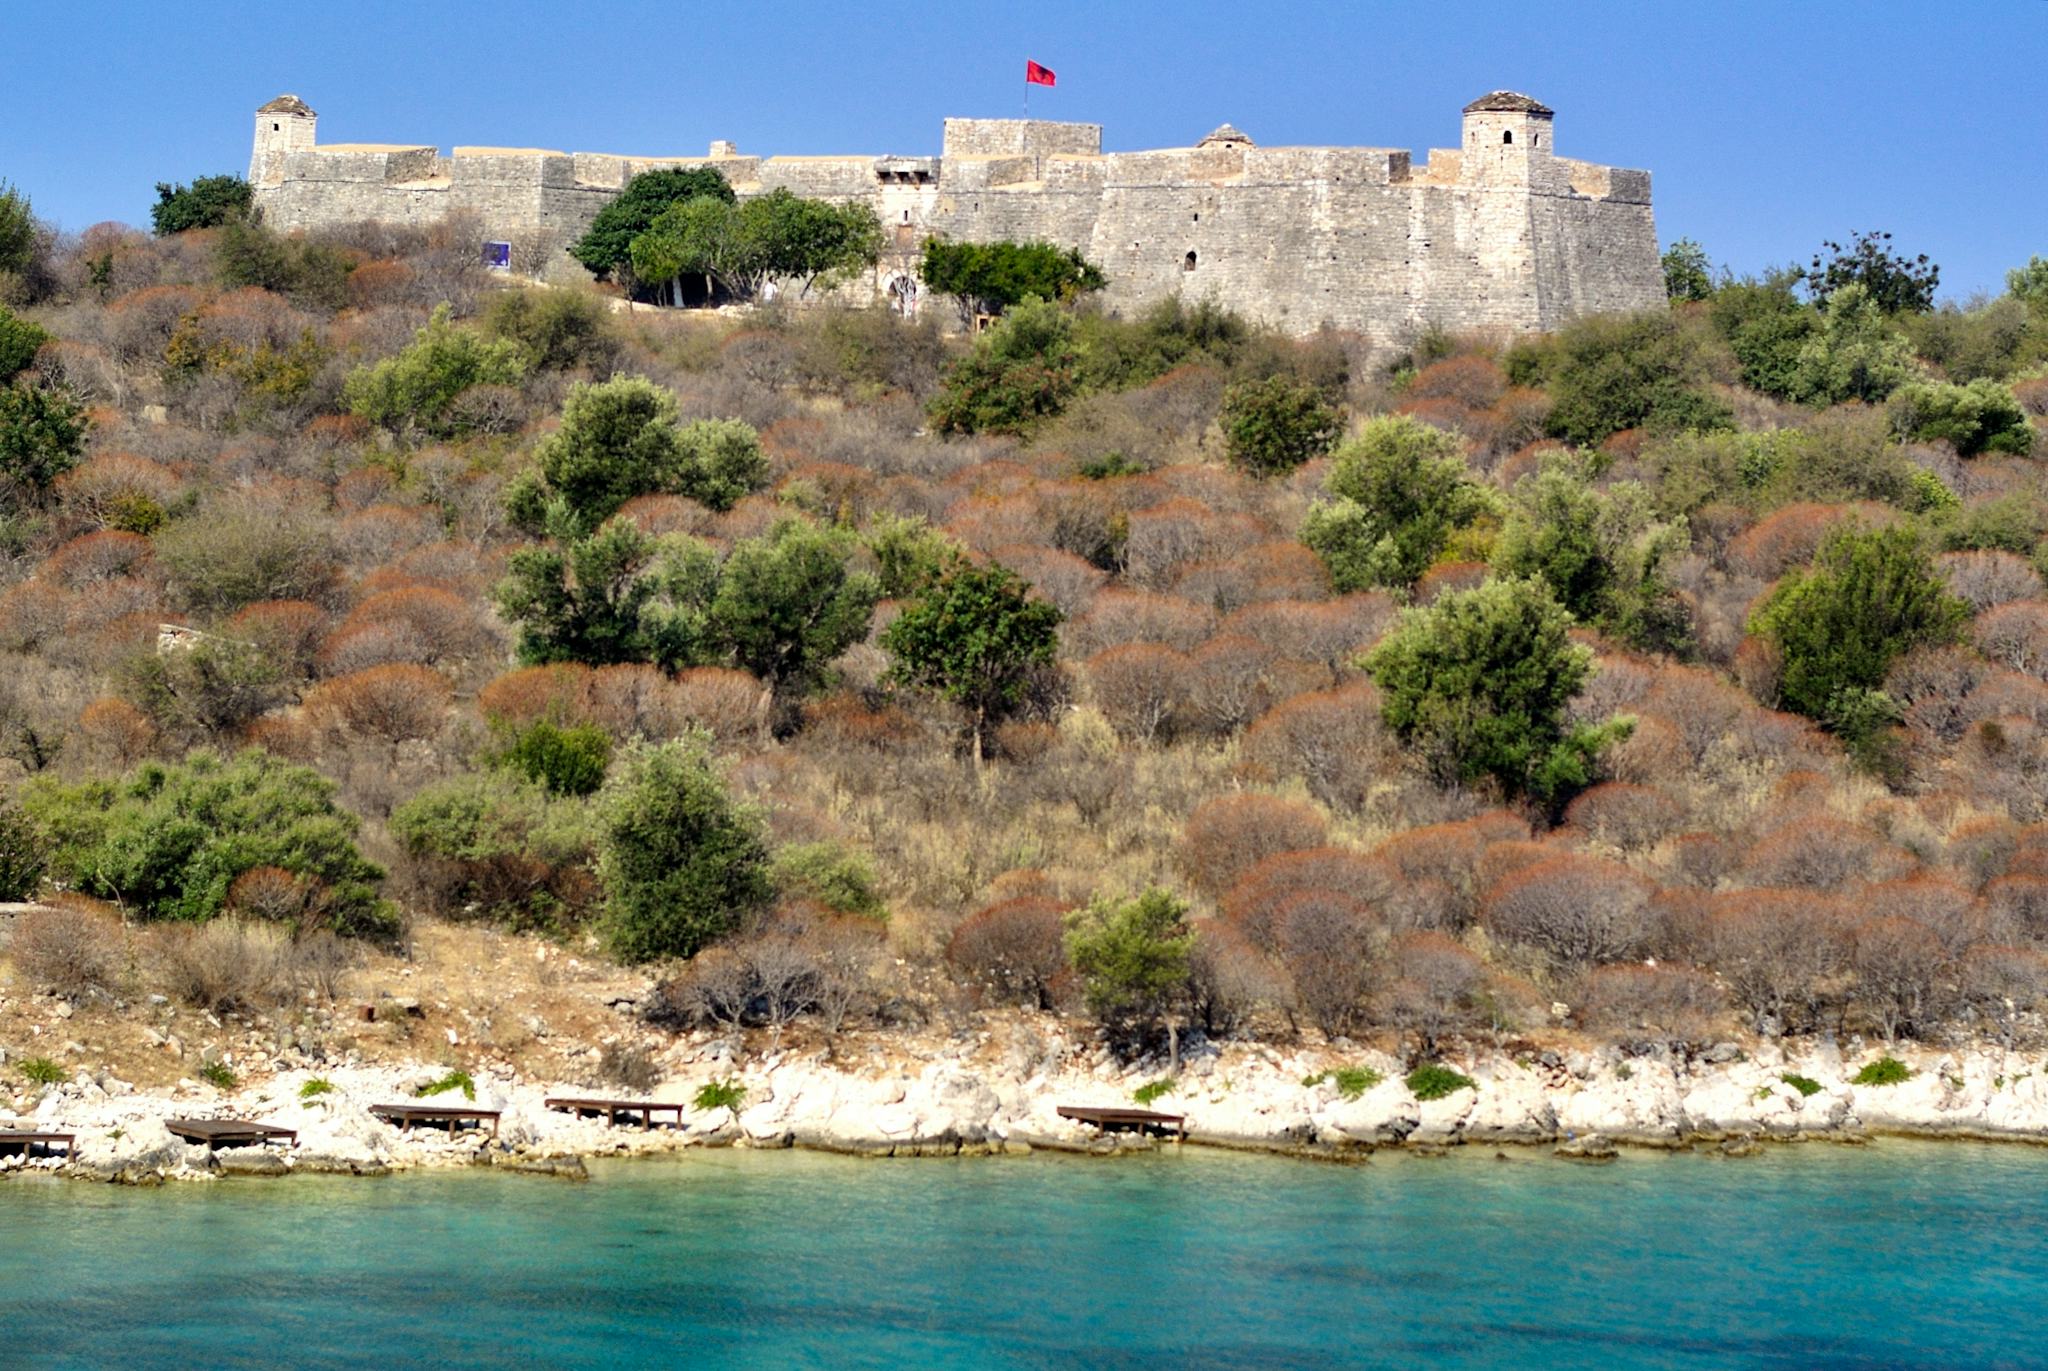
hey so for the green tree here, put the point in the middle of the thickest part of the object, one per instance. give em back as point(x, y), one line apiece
point(1688, 275)
point(608, 244)
point(789, 602)
point(208, 202)
point(2029, 284)
point(616, 595)
point(1893, 282)
point(1979, 417)
point(988, 278)
point(560, 330)
point(19, 342)
point(414, 392)
point(620, 439)
point(1603, 552)
point(1276, 424)
point(1477, 682)
point(1399, 490)
point(169, 839)
point(1870, 595)
point(20, 234)
point(681, 863)
point(696, 237)
point(42, 433)
point(811, 241)
point(975, 637)
point(1021, 372)
point(1133, 957)
point(1855, 355)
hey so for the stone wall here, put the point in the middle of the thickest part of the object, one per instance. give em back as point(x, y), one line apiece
point(1499, 234)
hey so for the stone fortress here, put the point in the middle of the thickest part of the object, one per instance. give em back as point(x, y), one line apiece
point(1499, 234)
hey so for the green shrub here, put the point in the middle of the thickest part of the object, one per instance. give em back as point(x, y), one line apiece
point(219, 1075)
point(1869, 596)
point(1147, 1093)
point(1884, 1071)
point(315, 1088)
point(415, 391)
point(1108, 467)
point(1979, 417)
point(558, 330)
point(169, 839)
point(1399, 490)
point(19, 342)
point(1354, 1081)
point(1805, 1085)
point(247, 254)
point(565, 760)
point(43, 1071)
point(227, 556)
point(1274, 425)
point(456, 1079)
point(828, 873)
point(208, 202)
point(1119, 353)
point(1855, 354)
point(494, 845)
point(42, 433)
point(1477, 684)
point(680, 861)
point(1434, 1081)
point(727, 1094)
point(1615, 372)
point(22, 855)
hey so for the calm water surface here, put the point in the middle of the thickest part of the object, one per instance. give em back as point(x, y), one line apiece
point(1895, 1256)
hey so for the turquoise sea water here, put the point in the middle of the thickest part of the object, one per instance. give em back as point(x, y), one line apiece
point(1899, 1255)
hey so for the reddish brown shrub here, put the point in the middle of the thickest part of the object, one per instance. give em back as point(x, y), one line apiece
point(1820, 853)
point(1253, 903)
point(1576, 910)
point(115, 734)
point(70, 949)
point(1139, 688)
point(1778, 952)
point(1433, 989)
point(1789, 537)
point(289, 631)
point(1899, 964)
point(1013, 949)
point(1989, 579)
point(2016, 636)
point(1229, 979)
point(1229, 835)
point(530, 694)
point(1671, 1001)
point(1330, 633)
point(97, 558)
point(1470, 379)
point(1331, 947)
point(392, 704)
point(1119, 616)
point(1331, 739)
point(1630, 817)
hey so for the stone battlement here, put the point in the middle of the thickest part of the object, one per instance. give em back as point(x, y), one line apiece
point(1499, 233)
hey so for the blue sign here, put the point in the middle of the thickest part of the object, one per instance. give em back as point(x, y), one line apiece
point(498, 256)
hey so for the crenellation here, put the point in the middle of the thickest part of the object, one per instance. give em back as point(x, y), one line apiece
point(1497, 234)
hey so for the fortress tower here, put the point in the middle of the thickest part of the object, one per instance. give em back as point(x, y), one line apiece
point(1507, 141)
point(285, 125)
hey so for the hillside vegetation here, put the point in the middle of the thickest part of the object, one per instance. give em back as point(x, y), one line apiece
point(1675, 674)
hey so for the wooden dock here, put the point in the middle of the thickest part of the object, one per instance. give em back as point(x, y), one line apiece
point(1135, 1120)
point(219, 1133)
point(581, 1106)
point(27, 1140)
point(406, 1115)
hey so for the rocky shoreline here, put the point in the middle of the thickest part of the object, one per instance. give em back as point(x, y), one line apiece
point(1002, 1099)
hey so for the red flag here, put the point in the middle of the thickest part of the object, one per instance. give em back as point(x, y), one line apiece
point(1035, 75)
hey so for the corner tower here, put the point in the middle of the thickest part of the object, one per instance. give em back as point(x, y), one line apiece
point(285, 125)
point(1507, 140)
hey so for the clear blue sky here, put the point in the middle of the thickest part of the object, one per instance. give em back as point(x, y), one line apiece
point(1769, 126)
